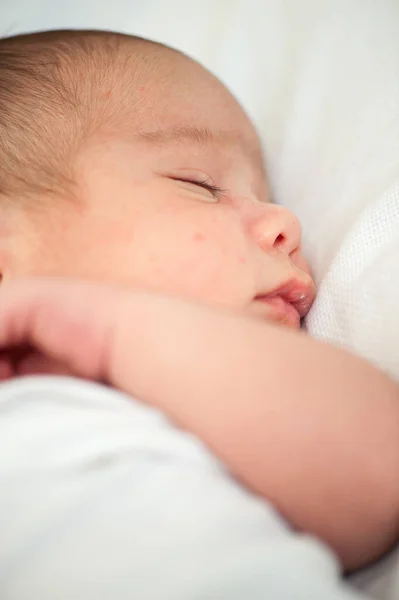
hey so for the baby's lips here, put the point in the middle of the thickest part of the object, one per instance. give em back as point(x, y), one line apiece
point(303, 298)
point(298, 291)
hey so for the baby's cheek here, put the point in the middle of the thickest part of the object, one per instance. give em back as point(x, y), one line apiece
point(214, 272)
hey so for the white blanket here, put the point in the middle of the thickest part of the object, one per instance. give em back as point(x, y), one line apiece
point(357, 304)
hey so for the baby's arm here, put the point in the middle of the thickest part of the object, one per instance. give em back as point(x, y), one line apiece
point(310, 427)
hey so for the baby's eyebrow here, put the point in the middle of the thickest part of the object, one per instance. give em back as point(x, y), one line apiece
point(198, 135)
point(206, 138)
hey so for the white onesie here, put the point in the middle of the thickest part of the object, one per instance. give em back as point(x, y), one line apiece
point(101, 498)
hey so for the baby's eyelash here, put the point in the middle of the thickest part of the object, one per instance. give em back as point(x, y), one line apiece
point(217, 191)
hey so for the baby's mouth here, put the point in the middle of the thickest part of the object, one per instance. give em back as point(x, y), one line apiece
point(288, 303)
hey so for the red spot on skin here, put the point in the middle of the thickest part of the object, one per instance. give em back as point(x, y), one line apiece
point(107, 95)
point(242, 260)
point(142, 89)
point(199, 237)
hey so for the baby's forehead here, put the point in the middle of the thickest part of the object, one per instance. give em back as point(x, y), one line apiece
point(93, 85)
point(163, 97)
point(179, 101)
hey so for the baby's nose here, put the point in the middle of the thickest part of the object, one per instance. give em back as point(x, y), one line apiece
point(277, 228)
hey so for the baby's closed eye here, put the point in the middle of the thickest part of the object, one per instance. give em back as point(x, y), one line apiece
point(213, 191)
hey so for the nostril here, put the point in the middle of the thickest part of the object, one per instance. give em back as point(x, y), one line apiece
point(280, 240)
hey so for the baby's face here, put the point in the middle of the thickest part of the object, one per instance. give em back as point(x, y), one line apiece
point(175, 201)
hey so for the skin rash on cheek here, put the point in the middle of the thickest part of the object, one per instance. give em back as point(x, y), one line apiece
point(199, 237)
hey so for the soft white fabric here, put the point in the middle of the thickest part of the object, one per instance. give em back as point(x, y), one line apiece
point(102, 499)
point(321, 80)
point(357, 304)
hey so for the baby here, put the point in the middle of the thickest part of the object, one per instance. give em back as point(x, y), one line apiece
point(123, 161)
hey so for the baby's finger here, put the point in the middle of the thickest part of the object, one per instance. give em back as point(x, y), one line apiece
point(68, 322)
point(37, 363)
point(6, 369)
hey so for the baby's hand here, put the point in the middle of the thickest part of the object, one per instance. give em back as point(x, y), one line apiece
point(59, 326)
